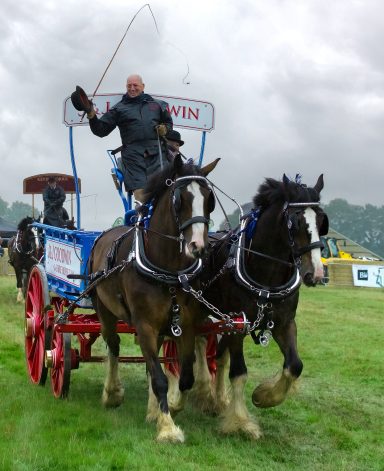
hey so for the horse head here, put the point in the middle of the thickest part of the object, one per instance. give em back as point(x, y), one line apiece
point(25, 223)
point(301, 222)
point(184, 201)
point(306, 222)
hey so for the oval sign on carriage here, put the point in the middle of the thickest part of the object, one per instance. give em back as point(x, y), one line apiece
point(62, 259)
point(186, 113)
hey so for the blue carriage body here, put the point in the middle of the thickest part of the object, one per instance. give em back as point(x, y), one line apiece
point(66, 252)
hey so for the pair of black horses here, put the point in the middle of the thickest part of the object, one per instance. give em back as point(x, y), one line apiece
point(167, 275)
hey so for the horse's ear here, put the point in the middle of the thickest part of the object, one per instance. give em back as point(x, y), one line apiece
point(285, 179)
point(207, 169)
point(177, 163)
point(319, 184)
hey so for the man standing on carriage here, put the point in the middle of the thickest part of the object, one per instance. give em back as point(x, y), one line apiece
point(54, 197)
point(142, 122)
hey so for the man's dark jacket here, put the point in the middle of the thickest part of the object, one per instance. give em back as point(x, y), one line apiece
point(53, 205)
point(136, 119)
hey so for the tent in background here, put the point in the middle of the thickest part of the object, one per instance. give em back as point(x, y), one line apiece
point(7, 230)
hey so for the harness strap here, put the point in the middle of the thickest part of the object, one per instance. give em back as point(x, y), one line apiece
point(302, 250)
point(193, 220)
point(147, 268)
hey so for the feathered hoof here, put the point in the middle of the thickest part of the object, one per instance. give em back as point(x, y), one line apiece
point(168, 432)
point(264, 401)
point(171, 435)
point(252, 431)
point(270, 393)
point(113, 398)
point(247, 427)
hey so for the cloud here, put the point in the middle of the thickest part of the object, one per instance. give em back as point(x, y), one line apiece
point(297, 88)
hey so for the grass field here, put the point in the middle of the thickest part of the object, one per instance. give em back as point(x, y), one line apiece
point(333, 422)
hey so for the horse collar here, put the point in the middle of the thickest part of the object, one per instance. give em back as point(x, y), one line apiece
point(145, 267)
point(238, 263)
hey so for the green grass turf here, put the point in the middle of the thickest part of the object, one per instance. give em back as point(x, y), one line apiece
point(334, 421)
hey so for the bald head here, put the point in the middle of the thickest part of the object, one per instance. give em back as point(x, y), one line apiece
point(135, 85)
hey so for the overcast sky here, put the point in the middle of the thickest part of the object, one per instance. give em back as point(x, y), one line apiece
point(297, 86)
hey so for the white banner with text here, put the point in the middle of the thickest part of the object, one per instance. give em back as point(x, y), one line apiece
point(371, 276)
point(62, 259)
point(186, 113)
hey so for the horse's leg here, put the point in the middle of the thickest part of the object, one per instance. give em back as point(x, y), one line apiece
point(24, 280)
point(202, 393)
point(173, 390)
point(272, 392)
point(153, 404)
point(20, 297)
point(222, 359)
point(167, 430)
point(186, 353)
point(113, 392)
point(236, 417)
point(19, 284)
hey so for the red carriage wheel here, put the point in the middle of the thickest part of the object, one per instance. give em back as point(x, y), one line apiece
point(37, 333)
point(61, 359)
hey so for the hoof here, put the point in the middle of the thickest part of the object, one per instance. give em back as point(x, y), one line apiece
point(167, 431)
point(174, 435)
point(263, 401)
point(273, 392)
point(113, 398)
point(252, 431)
point(247, 427)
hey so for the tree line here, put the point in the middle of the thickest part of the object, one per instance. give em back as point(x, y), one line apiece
point(16, 211)
point(362, 224)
